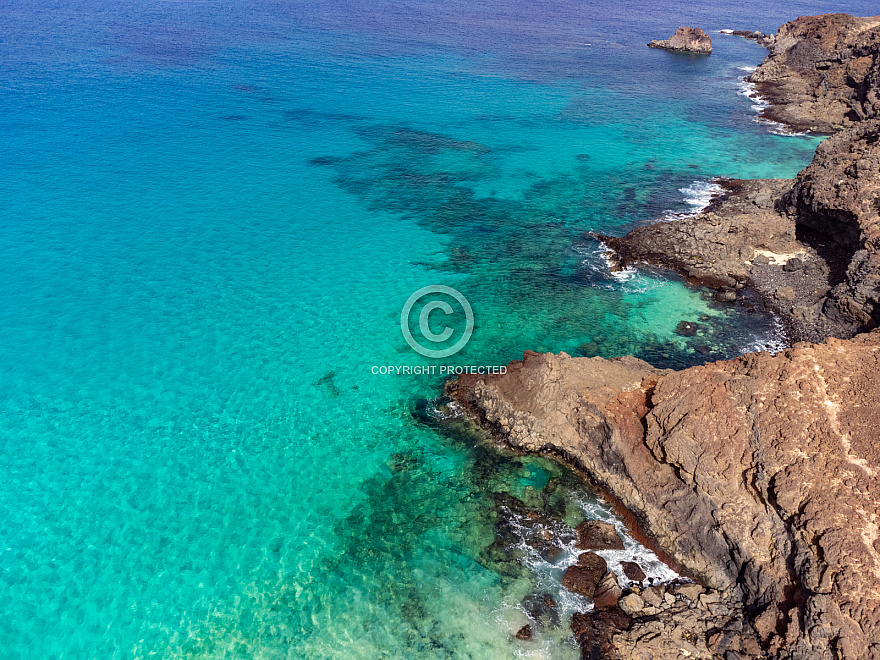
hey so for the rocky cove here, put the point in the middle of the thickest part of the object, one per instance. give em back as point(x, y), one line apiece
point(758, 477)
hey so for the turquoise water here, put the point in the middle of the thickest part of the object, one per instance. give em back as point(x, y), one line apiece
point(212, 218)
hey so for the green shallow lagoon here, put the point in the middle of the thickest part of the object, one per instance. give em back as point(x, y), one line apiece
point(211, 222)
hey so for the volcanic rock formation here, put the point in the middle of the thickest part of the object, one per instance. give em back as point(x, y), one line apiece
point(760, 475)
point(686, 39)
point(822, 73)
point(810, 246)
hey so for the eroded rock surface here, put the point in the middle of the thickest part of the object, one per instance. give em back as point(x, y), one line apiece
point(822, 73)
point(687, 40)
point(809, 246)
point(597, 535)
point(759, 475)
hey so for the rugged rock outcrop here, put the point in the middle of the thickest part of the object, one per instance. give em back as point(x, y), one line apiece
point(808, 246)
point(836, 206)
point(760, 475)
point(686, 40)
point(597, 535)
point(822, 73)
point(766, 40)
point(666, 621)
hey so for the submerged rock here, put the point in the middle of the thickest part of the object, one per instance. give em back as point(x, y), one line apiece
point(542, 610)
point(686, 39)
point(686, 329)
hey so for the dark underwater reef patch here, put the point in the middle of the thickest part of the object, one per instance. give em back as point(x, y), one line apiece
point(526, 251)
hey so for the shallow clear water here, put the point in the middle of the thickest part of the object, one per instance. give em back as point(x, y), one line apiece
point(212, 217)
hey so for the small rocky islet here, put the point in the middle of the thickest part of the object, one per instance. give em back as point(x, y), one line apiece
point(759, 476)
point(686, 40)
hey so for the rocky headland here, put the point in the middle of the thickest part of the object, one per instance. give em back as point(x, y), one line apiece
point(760, 475)
point(686, 40)
point(822, 73)
point(808, 246)
point(757, 477)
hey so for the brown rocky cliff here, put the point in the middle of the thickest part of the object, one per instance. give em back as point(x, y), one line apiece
point(836, 204)
point(823, 72)
point(761, 475)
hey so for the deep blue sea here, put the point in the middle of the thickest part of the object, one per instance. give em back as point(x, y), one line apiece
point(212, 214)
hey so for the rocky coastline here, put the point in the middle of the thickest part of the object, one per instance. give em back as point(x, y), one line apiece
point(808, 246)
point(822, 73)
point(758, 476)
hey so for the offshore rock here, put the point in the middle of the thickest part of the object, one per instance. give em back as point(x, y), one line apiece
point(687, 40)
point(759, 475)
point(822, 73)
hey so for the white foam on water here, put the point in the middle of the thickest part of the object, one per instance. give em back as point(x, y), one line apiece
point(448, 410)
point(654, 569)
point(759, 104)
point(780, 129)
point(774, 343)
point(700, 193)
point(748, 67)
point(547, 574)
point(725, 31)
point(599, 261)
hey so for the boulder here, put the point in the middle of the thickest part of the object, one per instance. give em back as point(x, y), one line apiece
point(608, 592)
point(583, 577)
point(631, 604)
point(633, 571)
point(597, 535)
